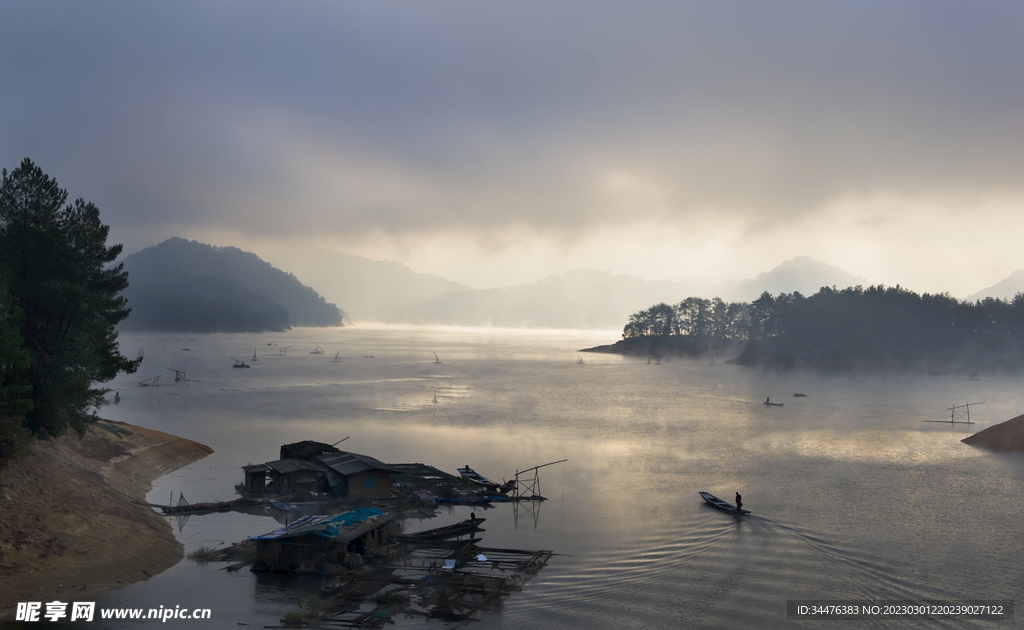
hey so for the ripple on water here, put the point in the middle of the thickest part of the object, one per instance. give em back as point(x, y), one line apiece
point(717, 571)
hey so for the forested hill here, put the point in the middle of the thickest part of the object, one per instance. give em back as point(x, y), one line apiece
point(189, 286)
point(849, 330)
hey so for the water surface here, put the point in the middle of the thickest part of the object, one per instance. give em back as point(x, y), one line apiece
point(853, 495)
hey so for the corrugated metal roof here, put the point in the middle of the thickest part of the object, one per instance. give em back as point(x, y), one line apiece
point(285, 466)
point(421, 471)
point(338, 527)
point(351, 463)
point(255, 468)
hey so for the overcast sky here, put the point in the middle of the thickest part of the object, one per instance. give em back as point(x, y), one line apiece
point(496, 143)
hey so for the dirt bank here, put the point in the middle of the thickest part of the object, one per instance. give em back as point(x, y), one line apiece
point(68, 527)
point(1005, 436)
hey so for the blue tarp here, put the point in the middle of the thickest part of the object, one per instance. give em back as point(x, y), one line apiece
point(325, 526)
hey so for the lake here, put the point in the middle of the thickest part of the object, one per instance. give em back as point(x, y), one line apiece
point(854, 495)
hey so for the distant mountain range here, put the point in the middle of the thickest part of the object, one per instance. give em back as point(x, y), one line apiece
point(371, 290)
point(184, 285)
point(582, 298)
point(386, 291)
point(1004, 289)
point(586, 298)
point(189, 286)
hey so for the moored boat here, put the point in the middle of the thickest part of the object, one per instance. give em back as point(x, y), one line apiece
point(443, 533)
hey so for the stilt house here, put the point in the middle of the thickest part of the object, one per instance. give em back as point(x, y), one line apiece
point(323, 544)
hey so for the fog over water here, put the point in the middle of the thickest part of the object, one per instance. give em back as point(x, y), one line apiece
point(853, 495)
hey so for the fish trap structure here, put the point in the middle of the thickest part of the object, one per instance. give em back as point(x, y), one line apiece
point(447, 581)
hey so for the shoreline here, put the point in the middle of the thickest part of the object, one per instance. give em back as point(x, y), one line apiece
point(1007, 437)
point(70, 523)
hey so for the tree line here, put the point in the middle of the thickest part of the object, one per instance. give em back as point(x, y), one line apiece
point(715, 318)
point(60, 300)
point(851, 328)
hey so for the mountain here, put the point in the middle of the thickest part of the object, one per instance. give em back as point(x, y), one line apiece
point(186, 285)
point(371, 290)
point(802, 274)
point(586, 298)
point(582, 298)
point(1004, 289)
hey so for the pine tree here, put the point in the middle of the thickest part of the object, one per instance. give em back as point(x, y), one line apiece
point(67, 297)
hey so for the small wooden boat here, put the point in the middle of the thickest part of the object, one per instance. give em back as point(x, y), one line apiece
point(474, 500)
point(443, 533)
point(473, 475)
point(725, 506)
point(771, 404)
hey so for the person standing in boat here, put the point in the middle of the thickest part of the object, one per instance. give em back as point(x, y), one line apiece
point(768, 400)
point(739, 502)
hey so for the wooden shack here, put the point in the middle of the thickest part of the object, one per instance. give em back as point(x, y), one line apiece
point(355, 476)
point(293, 475)
point(255, 478)
point(322, 544)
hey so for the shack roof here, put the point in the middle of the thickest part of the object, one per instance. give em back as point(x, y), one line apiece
point(409, 472)
point(338, 527)
point(305, 449)
point(286, 466)
point(256, 468)
point(352, 463)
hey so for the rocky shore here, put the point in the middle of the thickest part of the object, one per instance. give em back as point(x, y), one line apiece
point(69, 525)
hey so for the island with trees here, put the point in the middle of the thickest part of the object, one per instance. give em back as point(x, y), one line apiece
point(856, 329)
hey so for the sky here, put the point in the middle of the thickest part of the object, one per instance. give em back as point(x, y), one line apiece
point(499, 143)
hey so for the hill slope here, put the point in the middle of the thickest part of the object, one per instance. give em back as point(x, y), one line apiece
point(186, 285)
point(371, 290)
point(587, 298)
point(582, 298)
point(1005, 289)
point(803, 274)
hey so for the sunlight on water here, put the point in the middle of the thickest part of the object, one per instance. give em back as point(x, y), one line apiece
point(891, 447)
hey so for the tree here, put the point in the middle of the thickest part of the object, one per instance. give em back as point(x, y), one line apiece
point(67, 297)
point(15, 361)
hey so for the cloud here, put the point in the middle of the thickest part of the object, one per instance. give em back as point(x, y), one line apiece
point(551, 122)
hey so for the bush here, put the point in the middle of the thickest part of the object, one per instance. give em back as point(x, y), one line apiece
point(203, 555)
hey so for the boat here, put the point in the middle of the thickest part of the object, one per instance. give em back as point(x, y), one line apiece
point(254, 355)
point(465, 500)
point(240, 363)
point(442, 533)
point(725, 506)
point(771, 404)
point(318, 350)
point(337, 357)
point(475, 477)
